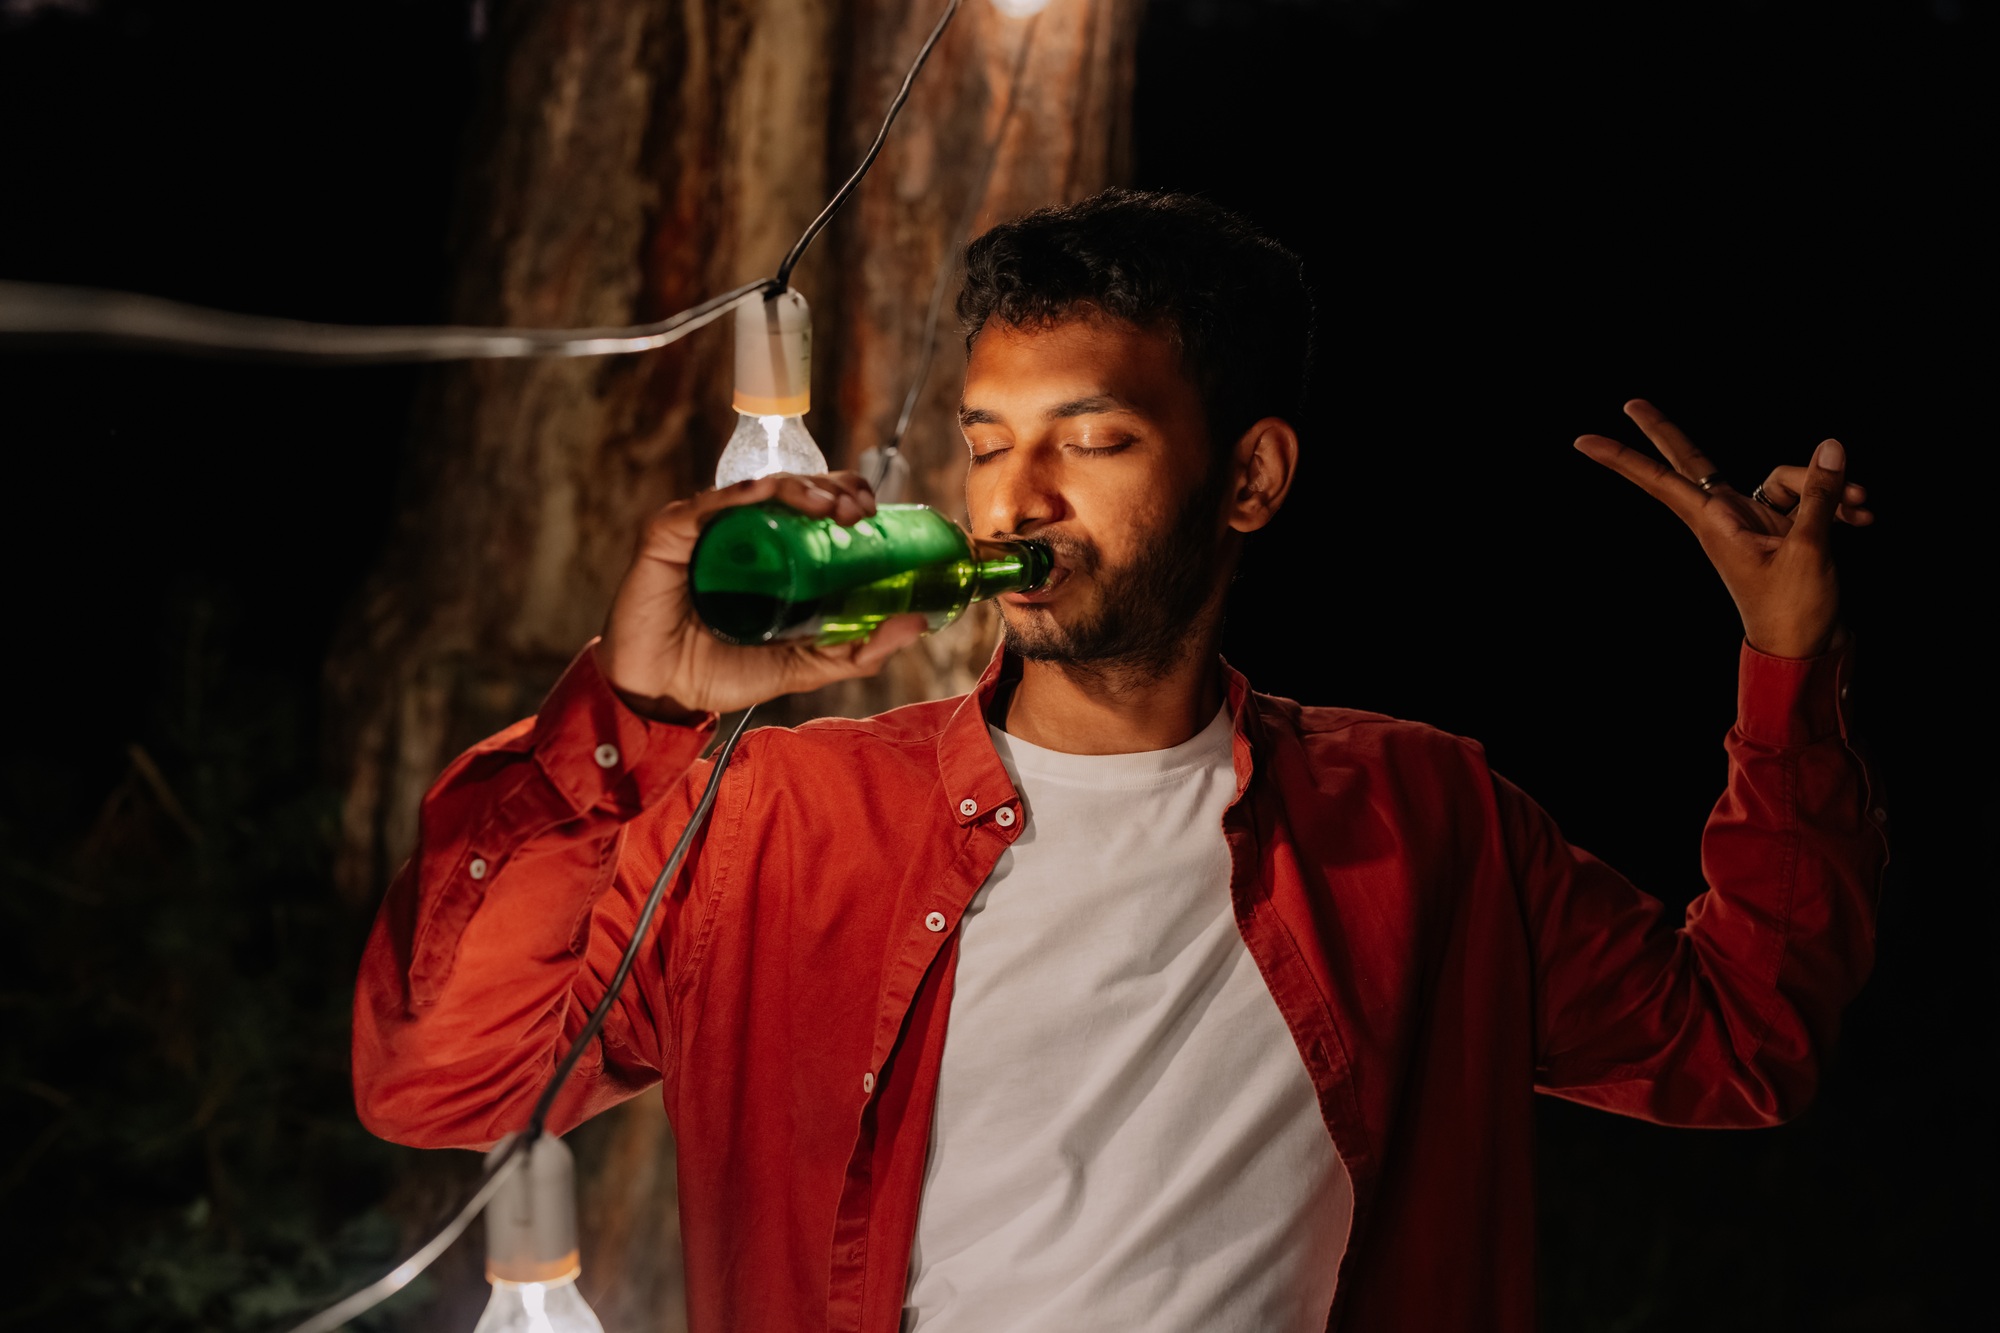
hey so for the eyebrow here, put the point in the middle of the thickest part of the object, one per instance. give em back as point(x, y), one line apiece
point(1094, 405)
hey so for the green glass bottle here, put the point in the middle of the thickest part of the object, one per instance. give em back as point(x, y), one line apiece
point(768, 574)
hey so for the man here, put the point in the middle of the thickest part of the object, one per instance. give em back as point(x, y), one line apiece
point(1115, 995)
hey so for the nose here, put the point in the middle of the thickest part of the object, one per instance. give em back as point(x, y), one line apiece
point(1014, 493)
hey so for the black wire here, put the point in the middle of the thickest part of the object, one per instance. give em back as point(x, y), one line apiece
point(489, 1181)
point(949, 264)
point(540, 1115)
point(833, 205)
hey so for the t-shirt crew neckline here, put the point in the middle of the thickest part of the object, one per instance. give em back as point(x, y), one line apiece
point(1141, 768)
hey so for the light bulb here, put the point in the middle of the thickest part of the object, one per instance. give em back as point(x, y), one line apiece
point(765, 444)
point(531, 1251)
point(773, 391)
point(1020, 9)
point(538, 1307)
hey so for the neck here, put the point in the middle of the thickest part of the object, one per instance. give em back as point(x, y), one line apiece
point(1090, 710)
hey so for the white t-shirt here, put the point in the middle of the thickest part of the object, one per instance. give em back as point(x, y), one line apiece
point(1125, 1135)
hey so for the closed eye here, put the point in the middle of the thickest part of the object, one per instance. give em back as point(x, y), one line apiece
point(1116, 446)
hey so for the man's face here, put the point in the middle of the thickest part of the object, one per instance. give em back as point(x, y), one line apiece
point(1088, 436)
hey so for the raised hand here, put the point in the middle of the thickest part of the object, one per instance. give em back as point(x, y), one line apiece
point(665, 665)
point(1775, 552)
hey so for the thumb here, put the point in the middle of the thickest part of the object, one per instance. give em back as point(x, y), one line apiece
point(1820, 496)
point(811, 667)
point(893, 634)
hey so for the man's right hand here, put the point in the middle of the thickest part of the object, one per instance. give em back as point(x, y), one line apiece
point(664, 663)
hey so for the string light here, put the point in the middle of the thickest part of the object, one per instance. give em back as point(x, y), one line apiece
point(533, 1257)
point(40, 314)
point(773, 391)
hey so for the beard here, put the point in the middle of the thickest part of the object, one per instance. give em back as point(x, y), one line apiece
point(1145, 620)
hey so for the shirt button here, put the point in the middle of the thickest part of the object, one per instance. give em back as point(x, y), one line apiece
point(1005, 816)
point(934, 922)
point(868, 1082)
point(477, 869)
point(606, 755)
point(1880, 815)
point(1844, 689)
point(968, 807)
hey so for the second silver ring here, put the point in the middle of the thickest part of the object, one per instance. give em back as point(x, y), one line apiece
point(1768, 503)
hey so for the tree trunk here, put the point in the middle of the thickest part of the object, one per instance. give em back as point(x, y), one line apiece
point(631, 158)
point(1066, 135)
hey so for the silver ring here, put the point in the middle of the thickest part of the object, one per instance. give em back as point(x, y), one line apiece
point(1768, 503)
point(1710, 482)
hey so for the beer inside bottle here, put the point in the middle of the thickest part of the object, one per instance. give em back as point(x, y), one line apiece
point(768, 574)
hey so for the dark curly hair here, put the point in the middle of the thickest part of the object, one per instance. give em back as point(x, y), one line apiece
point(1232, 299)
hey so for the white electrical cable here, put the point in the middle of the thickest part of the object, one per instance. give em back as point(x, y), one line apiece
point(404, 1273)
point(45, 315)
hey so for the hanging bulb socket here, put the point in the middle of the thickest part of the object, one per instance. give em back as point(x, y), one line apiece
point(531, 1222)
point(774, 356)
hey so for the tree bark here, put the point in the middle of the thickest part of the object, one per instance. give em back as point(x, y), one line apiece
point(631, 158)
point(1066, 135)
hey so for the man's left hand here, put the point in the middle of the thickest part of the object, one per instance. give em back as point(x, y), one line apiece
point(1775, 555)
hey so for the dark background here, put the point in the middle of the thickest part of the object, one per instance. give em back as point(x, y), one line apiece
point(1515, 216)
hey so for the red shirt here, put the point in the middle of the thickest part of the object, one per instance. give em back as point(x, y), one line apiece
point(1437, 949)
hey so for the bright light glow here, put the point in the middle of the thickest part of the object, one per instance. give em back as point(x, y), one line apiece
point(763, 445)
point(1020, 9)
point(538, 1307)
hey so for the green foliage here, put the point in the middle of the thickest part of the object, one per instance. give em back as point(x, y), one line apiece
point(182, 1151)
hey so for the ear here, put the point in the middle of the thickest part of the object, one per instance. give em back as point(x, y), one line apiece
point(1267, 458)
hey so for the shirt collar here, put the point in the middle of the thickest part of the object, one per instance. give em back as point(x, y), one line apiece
point(974, 780)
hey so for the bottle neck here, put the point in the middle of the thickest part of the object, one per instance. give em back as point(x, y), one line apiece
point(1010, 567)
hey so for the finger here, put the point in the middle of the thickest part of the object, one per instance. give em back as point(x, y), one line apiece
point(1670, 440)
point(808, 667)
point(672, 530)
point(1819, 494)
point(1786, 483)
point(805, 494)
point(696, 509)
point(801, 493)
point(1648, 474)
point(893, 635)
point(853, 500)
point(809, 495)
point(851, 483)
point(670, 534)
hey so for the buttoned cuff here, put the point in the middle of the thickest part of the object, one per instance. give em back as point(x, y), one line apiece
point(600, 754)
point(1787, 701)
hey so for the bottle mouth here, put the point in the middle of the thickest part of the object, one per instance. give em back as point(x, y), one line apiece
point(1041, 563)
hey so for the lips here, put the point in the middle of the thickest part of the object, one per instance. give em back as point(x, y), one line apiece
point(1053, 585)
